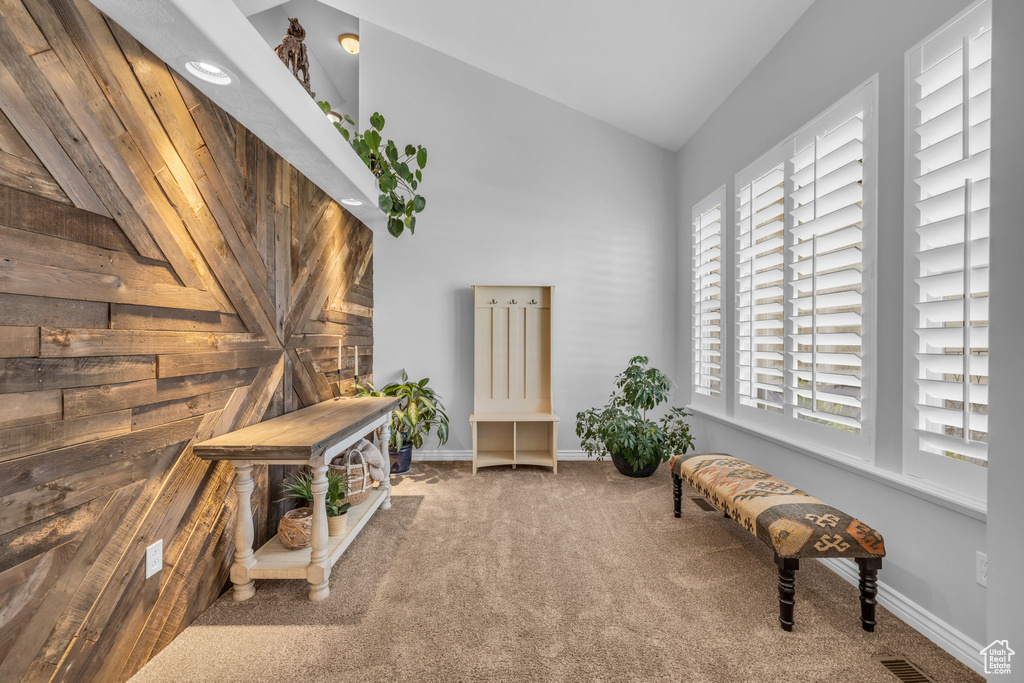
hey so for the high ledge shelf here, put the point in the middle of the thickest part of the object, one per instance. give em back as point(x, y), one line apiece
point(513, 418)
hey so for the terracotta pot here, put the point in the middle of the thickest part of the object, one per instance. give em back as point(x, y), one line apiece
point(295, 528)
point(336, 526)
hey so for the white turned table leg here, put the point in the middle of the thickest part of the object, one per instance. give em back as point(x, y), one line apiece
point(385, 439)
point(245, 587)
point(319, 569)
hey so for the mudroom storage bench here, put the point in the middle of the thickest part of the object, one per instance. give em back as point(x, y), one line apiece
point(513, 418)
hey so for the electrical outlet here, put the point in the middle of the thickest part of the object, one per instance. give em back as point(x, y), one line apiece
point(154, 558)
point(981, 569)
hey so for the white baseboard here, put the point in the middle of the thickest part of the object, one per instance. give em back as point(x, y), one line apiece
point(956, 643)
point(452, 456)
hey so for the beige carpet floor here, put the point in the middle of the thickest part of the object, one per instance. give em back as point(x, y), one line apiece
point(525, 576)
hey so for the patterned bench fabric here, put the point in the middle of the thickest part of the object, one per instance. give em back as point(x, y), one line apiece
point(787, 519)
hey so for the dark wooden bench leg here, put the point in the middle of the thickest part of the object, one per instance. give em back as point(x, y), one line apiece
point(677, 494)
point(787, 589)
point(869, 567)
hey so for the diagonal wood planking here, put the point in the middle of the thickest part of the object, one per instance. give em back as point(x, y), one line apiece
point(164, 277)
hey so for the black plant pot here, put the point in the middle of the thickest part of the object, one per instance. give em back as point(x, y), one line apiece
point(401, 460)
point(624, 467)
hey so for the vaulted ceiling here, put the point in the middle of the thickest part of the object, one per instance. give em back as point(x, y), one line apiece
point(655, 68)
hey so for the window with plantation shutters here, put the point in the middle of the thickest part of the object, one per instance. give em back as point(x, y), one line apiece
point(804, 243)
point(949, 93)
point(707, 295)
point(826, 268)
point(760, 310)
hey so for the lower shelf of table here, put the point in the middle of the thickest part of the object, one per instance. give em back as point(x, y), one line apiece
point(274, 561)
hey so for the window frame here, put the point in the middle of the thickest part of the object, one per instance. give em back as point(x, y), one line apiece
point(962, 479)
point(704, 206)
point(861, 446)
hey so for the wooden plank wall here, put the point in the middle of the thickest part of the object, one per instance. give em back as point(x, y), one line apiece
point(164, 277)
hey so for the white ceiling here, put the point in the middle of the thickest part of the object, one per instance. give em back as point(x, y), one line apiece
point(655, 68)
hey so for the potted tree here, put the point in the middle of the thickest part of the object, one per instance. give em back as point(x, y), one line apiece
point(419, 411)
point(300, 486)
point(621, 429)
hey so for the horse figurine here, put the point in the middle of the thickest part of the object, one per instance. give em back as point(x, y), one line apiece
point(292, 51)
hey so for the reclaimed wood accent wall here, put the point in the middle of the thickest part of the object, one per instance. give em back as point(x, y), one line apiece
point(164, 277)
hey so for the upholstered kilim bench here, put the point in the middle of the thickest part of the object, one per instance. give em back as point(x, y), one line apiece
point(789, 521)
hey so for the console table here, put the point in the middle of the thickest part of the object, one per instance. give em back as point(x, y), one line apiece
point(310, 436)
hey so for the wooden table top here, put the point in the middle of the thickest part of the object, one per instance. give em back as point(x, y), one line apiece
point(301, 434)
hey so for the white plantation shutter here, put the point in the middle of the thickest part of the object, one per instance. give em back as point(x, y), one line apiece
point(707, 295)
point(826, 268)
point(948, 260)
point(760, 310)
point(804, 244)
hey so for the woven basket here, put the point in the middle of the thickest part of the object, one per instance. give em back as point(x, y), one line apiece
point(296, 528)
point(353, 466)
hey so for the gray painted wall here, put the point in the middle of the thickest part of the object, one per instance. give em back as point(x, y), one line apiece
point(834, 47)
point(520, 190)
point(1006, 471)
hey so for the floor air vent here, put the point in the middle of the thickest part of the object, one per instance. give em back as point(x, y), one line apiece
point(904, 670)
point(703, 504)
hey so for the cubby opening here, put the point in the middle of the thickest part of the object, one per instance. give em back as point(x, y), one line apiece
point(495, 443)
point(534, 443)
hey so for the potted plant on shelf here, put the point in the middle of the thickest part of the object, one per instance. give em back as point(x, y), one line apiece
point(300, 486)
point(621, 429)
point(399, 172)
point(419, 411)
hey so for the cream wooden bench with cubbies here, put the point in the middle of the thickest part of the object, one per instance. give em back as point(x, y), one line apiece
point(513, 418)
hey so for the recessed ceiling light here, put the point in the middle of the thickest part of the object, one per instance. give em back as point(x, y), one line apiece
point(209, 72)
point(352, 202)
point(350, 42)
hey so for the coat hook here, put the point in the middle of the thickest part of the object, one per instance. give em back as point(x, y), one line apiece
point(513, 302)
point(493, 301)
point(533, 302)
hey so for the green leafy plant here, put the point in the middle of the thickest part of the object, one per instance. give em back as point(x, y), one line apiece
point(301, 486)
point(399, 171)
point(622, 426)
point(419, 412)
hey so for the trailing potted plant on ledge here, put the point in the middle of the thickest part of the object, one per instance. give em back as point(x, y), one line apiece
point(419, 411)
point(399, 172)
point(621, 429)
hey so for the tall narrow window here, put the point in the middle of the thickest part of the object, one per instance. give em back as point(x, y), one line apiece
point(948, 116)
point(826, 284)
point(804, 246)
point(707, 295)
point(760, 310)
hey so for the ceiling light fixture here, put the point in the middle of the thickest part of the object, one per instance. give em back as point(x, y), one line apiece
point(349, 41)
point(352, 202)
point(211, 73)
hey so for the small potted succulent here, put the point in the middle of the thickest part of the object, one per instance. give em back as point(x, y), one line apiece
point(621, 429)
point(419, 412)
point(300, 486)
